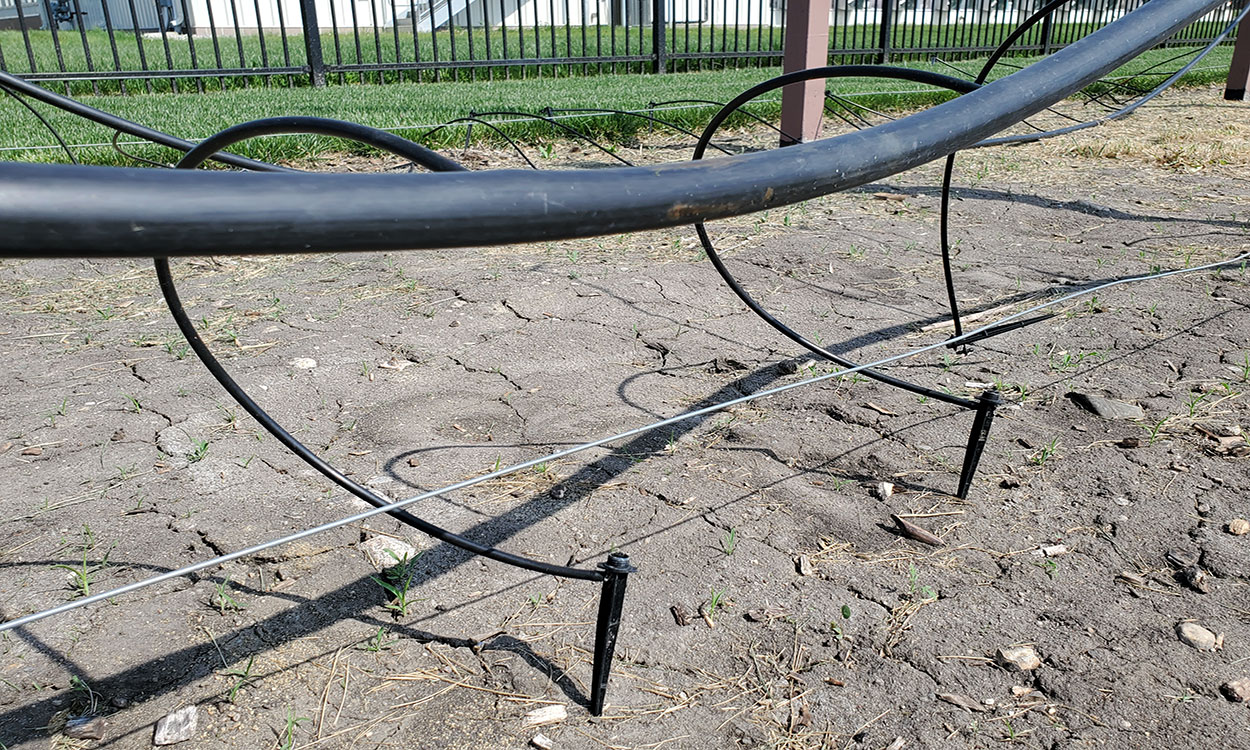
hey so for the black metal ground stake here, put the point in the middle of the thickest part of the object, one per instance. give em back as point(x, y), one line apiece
point(616, 574)
point(987, 402)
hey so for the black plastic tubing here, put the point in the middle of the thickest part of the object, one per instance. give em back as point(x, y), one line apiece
point(149, 213)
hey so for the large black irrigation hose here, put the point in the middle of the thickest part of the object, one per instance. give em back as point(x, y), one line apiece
point(151, 213)
point(400, 147)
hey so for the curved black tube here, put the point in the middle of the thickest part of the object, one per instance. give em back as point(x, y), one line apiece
point(719, 105)
point(312, 459)
point(400, 147)
point(487, 123)
point(55, 133)
point(954, 84)
point(556, 123)
point(944, 214)
point(431, 160)
point(11, 82)
point(640, 116)
point(149, 213)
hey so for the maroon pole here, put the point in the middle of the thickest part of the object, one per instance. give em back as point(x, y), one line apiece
point(807, 46)
point(1238, 71)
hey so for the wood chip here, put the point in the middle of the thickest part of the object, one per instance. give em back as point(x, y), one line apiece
point(33, 451)
point(880, 409)
point(912, 531)
point(553, 714)
point(542, 742)
point(963, 701)
point(897, 197)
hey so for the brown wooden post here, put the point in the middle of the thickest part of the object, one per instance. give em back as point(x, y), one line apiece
point(807, 46)
point(1239, 70)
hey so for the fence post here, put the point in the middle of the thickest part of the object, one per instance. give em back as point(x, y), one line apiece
point(659, 41)
point(312, 42)
point(806, 46)
point(887, 31)
point(1239, 69)
point(1047, 32)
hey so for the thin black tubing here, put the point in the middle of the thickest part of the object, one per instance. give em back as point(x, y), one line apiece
point(944, 214)
point(556, 123)
point(948, 170)
point(135, 157)
point(748, 113)
point(472, 119)
point(312, 459)
point(666, 123)
point(13, 83)
point(878, 71)
point(55, 133)
point(431, 160)
point(408, 150)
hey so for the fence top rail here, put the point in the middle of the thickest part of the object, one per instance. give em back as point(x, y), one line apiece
point(156, 213)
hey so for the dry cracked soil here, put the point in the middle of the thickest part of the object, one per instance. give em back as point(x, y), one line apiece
point(775, 604)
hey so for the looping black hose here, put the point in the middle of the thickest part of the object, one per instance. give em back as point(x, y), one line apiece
point(381, 139)
point(937, 79)
point(400, 147)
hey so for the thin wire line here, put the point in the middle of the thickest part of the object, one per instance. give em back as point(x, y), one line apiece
point(364, 515)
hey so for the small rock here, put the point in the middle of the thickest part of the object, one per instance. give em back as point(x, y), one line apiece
point(553, 714)
point(1196, 579)
point(542, 742)
point(681, 615)
point(1105, 407)
point(1193, 634)
point(1129, 442)
point(1055, 550)
point(1018, 658)
point(176, 727)
point(1125, 724)
point(32, 451)
point(303, 363)
point(384, 551)
point(1237, 691)
point(413, 461)
point(1181, 558)
point(118, 701)
point(85, 728)
point(1239, 527)
point(883, 490)
point(803, 565)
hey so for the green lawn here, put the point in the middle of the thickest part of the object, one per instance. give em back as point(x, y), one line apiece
point(417, 105)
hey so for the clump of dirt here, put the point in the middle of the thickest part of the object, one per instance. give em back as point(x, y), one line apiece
point(776, 602)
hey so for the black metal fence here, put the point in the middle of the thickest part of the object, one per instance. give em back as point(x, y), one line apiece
point(106, 44)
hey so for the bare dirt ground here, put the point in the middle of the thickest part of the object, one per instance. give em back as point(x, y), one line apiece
point(1089, 541)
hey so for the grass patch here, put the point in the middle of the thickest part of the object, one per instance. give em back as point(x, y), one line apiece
point(412, 108)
